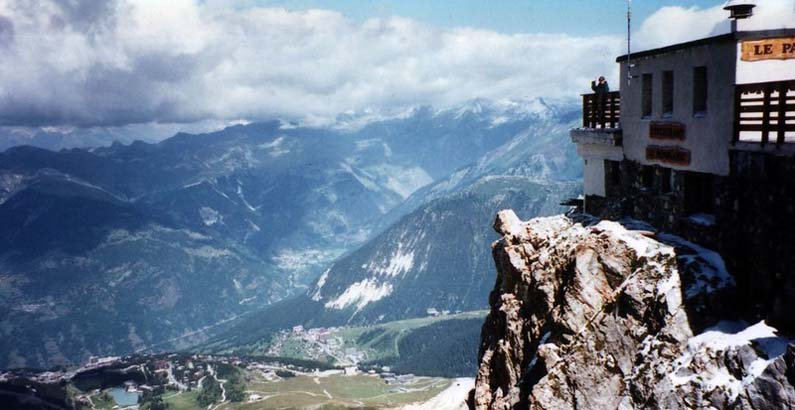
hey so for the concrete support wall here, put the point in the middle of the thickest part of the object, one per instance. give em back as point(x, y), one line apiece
point(754, 229)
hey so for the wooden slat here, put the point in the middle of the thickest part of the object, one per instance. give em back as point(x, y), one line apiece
point(754, 99)
point(761, 108)
point(759, 127)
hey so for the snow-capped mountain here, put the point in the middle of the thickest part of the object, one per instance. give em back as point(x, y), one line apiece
point(437, 257)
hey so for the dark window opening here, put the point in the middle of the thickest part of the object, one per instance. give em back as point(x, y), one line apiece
point(667, 93)
point(700, 90)
point(646, 89)
point(647, 176)
point(614, 172)
point(665, 180)
point(699, 197)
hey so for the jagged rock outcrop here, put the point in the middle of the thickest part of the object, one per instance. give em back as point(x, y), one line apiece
point(601, 315)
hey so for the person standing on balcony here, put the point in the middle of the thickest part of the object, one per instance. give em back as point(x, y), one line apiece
point(601, 89)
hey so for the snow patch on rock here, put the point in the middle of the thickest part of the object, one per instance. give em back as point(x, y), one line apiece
point(320, 283)
point(637, 240)
point(360, 294)
point(723, 337)
point(707, 266)
point(208, 252)
point(209, 216)
point(399, 262)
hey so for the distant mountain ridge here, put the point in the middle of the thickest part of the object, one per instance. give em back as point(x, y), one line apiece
point(436, 257)
point(126, 247)
point(57, 140)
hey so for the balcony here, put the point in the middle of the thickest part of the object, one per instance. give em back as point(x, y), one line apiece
point(764, 114)
point(599, 127)
point(609, 117)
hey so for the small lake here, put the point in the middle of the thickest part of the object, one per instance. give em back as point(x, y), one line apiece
point(122, 397)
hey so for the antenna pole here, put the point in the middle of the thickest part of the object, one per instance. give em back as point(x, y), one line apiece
point(629, 42)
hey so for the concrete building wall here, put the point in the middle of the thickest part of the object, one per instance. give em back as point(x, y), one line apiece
point(594, 156)
point(594, 176)
point(707, 136)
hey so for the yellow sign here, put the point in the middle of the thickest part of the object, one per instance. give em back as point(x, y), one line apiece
point(769, 49)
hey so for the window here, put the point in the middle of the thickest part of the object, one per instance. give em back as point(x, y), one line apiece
point(647, 177)
point(646, 88)
point(698, 193)
point(667, 93)
point(699, 90)
point(614, 172)
point(665, 180)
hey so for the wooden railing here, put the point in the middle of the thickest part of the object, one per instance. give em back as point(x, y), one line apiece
point(601, 114)
point(765, 112)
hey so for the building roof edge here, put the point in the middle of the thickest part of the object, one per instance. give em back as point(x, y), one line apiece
point(740, 35)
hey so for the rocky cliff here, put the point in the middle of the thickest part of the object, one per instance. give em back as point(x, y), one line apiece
point(590, 314)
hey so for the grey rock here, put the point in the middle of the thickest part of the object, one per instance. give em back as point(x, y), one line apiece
point(595, 315)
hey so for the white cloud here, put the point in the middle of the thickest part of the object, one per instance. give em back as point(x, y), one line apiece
point(72, 63)
point(671, 25)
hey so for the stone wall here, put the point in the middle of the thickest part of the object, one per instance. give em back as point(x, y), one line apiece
point(757, 219)
point(754, 220)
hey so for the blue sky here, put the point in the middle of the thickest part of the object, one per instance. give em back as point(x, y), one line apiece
point(577, 17)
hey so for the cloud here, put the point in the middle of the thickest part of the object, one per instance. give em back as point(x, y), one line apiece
point(71, 62)
point(671, 25)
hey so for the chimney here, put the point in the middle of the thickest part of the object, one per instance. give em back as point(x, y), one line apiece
point(740, 10)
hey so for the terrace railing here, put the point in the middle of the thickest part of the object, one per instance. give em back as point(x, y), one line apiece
point(765, 112)
point(601, 114)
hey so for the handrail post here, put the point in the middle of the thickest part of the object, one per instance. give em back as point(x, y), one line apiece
point(766, 113)
point(782, 112)
point(585, 111)
point(738, 96)
point(601, 102)
point(612, 110)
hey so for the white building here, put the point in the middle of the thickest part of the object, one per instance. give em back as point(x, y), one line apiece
point(700, 142)
point(685, 107)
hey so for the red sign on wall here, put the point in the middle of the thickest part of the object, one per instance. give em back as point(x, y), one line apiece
point(667, 154)
point(666, 130)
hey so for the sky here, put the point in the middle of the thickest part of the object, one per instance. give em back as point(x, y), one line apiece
point(123, 63)
point(575, 17)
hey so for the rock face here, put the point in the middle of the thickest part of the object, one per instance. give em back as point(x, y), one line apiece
point(603, 315)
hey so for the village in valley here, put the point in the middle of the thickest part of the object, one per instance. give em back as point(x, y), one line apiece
point(188, 381)
point(340, 367)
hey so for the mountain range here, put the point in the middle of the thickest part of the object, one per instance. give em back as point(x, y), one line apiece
point(151, 246)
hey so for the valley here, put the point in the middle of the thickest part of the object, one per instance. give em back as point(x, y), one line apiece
point(200, 240)
point(190, 381)
point(394, 346)
point(283, 266)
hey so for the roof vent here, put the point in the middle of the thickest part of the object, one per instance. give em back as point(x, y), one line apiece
point(740, 9)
